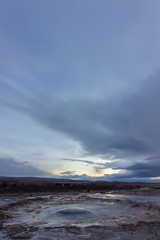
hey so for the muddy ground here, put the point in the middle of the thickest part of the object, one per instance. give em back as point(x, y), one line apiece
point(25, 217)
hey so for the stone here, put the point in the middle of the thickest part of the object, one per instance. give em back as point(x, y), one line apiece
point(22, 236)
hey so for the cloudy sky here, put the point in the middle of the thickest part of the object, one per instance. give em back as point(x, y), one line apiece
point(80, 89)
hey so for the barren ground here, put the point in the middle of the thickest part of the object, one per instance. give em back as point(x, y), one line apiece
point(80, 216)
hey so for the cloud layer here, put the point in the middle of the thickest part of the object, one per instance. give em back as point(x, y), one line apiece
point(123, 128)
point(86, 72)
point(11, 168)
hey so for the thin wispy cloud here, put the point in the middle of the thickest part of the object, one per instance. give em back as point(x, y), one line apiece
point(80, 160)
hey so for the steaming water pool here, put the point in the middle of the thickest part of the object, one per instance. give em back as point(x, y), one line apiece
point(84, 212)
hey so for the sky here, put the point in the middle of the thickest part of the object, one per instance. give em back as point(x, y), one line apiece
point(80, 89)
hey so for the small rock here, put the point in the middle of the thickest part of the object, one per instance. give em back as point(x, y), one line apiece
point(136, 205)
point(74, 230)
point(22, 236)
point(1, 226)
point(47, 238)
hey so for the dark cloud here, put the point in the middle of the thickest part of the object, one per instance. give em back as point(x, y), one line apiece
point(11, 167)
point(68, 173)
point(124, 126)
point(84, 74)
point(134, 173)
point(92, 123)
point(121, 177)
point(77, 177)
point(144, 170)
point(153, 158)
point(80, 160)
point(99, 170)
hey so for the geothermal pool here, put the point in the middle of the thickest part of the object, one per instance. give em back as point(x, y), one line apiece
point(80, 216)
point(85, 212)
